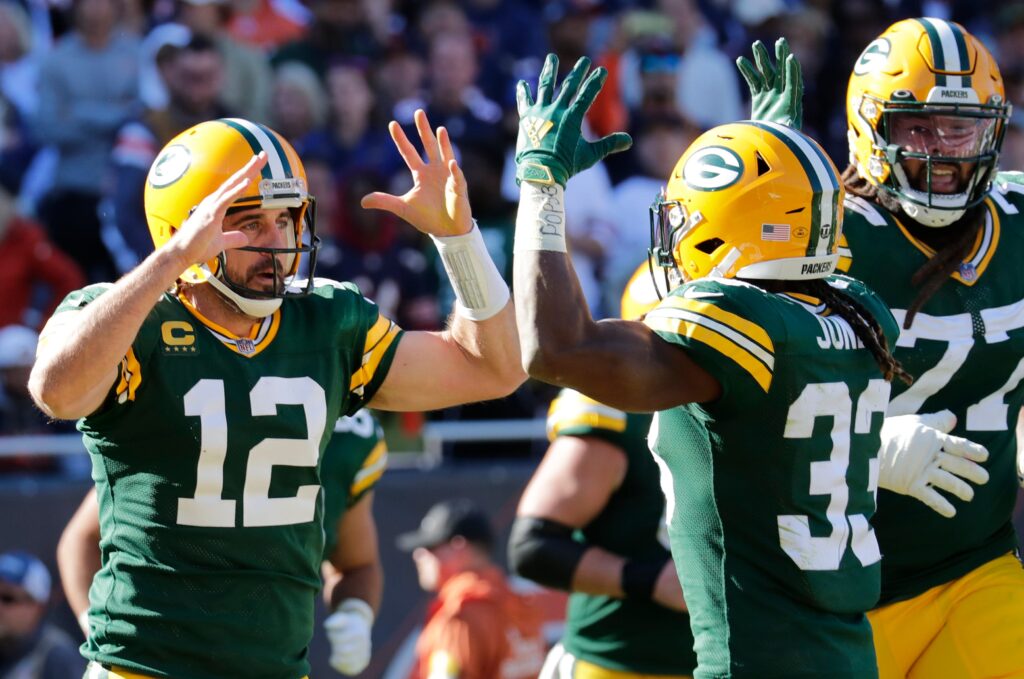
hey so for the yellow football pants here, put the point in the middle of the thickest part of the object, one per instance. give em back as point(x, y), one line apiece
point(560, 664)
point(970, 628)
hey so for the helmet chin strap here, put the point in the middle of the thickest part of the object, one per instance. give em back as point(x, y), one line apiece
point(257, 308)
point(931, 217)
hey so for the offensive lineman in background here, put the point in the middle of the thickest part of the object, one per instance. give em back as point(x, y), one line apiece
point(353, 462)
point(592, 522)
point(928, 229)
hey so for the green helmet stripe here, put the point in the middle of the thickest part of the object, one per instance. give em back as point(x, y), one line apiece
point(261, 139)
point(961, 48)
point(824, 184)
point(949, 45)
point(938, 55)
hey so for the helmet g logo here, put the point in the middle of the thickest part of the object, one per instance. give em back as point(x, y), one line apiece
point(712, 168)
point(873, 57)
point(169, 166)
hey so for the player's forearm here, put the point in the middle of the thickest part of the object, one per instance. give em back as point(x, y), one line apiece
point(551, 311)
point(75, 366)
point(78, 560)
point(365, 582)
point(492, 349)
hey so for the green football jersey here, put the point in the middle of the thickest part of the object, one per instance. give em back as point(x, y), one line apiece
point(206, 461)
point(628, 635)
point(966, 350)
point(770, 488)
point(355, 459)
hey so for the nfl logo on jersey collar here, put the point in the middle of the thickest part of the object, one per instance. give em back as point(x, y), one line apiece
point(968, 272)
point(245, 345)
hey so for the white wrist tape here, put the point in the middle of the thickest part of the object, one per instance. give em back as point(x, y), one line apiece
point(356, 607)
point(540, 222)
point(480, 291)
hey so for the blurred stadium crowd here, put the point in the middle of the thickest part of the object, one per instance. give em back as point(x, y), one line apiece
point(90, 90)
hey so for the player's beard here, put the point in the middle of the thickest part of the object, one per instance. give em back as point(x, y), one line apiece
point(264, 277)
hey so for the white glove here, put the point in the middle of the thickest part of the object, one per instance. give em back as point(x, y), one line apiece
point(917, 456)
point(348, 630)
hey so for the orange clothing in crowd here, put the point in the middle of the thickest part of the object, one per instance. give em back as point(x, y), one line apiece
point(27, 257)
point(265, 26)
point(478, 628)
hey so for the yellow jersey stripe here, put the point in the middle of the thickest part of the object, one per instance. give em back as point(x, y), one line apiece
point(384, 331)
point(748, 328)
point(761, 373)
point(373, 468)
point(981, 252)
point(260, 335)
point(573, 409)
point(131, 377)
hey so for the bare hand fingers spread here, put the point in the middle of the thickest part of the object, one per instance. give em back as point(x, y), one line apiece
point(405, 148)
point(426, 135)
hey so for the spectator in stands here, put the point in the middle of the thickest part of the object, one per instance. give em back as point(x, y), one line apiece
point(298, 102)
point(508, 43)
point(18, 415)
point(658, 142)
point(88, 87)
point(476, 628)
point(397, 76)
point(27, 260)
point(350, 141)
point(453, 98)
point(245, 89)
point(30, 648)
point(367, 248)
point(339, 28)
point(707, 90)
point(19, 62)
point(193, 75)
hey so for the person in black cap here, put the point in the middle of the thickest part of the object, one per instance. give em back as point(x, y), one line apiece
point(477, 627)
point(30, 648)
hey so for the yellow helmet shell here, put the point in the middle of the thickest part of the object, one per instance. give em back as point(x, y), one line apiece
point(752, 200)
point(646, 287)
point(198, 161)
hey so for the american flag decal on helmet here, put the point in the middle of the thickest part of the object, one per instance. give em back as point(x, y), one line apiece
point(776, 232)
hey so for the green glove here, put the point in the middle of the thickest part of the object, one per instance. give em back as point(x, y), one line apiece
point(551, 147)
point(775, 95)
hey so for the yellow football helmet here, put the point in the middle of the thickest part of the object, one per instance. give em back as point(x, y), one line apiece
point(642, 293)
point(927, 91)
point(200, 159)
point(751, 200)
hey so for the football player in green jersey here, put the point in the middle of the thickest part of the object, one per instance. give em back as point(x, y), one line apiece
point(591, 521)
point(353, 462)
point(205, 380)
point(768, 375)
point(928, 228)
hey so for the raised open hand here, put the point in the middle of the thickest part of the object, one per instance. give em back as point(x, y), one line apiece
point(776, 90)
point(551, 148)
point(438, 202)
